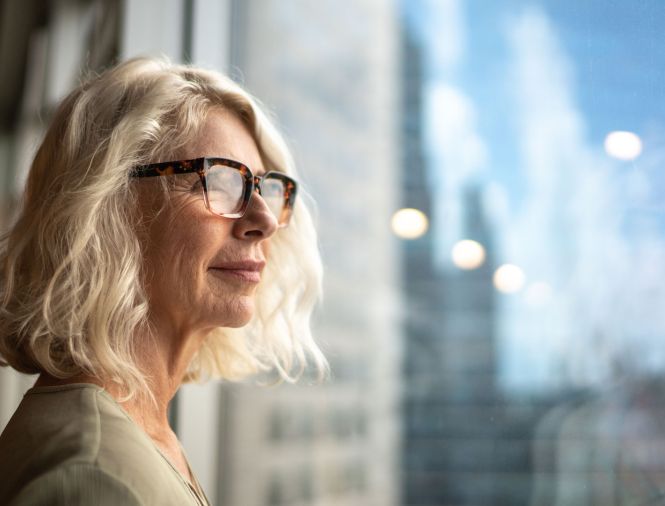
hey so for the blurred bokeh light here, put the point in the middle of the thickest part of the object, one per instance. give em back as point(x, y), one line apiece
point(509, 278)
point(409, 223)
point(623, 145)
point(468, 254)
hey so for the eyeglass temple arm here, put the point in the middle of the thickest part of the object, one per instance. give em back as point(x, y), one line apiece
point(168, 168)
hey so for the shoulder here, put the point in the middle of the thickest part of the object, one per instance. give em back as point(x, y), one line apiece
point(76, 484)
point(79, 441)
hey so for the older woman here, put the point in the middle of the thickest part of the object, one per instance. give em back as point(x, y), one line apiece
point(160, 241)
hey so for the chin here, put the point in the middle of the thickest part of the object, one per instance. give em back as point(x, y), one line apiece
point(238, 314)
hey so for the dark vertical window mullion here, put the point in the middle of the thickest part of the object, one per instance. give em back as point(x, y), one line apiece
point(237, 46)
point(187, 30)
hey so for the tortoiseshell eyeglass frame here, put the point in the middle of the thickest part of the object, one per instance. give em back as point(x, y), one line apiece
point(201, 166)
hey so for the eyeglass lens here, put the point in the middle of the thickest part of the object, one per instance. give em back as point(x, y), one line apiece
point(226, 186)
point(272, 191)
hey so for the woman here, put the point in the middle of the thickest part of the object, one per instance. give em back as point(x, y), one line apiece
point(160, 241)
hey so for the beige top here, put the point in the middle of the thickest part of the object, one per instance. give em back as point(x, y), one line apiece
point(74, 445)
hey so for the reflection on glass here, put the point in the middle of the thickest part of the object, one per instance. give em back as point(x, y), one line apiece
point(468, 254)
point(409, 223)
point(509, 278)
point(623, 145)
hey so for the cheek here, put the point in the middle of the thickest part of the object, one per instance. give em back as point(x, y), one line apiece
point(193, 249)
point(180, 247)
point(177, 249)
point(188, 258)
point(266, 247)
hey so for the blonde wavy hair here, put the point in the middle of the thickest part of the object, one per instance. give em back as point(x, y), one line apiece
point(71, 293)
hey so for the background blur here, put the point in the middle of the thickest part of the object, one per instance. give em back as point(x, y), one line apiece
point(489, 181)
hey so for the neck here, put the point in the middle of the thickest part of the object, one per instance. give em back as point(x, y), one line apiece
point(163, 360)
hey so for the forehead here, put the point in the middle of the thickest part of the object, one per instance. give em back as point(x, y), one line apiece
point(224, 135)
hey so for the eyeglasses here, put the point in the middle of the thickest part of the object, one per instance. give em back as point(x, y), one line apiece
point(228, 185)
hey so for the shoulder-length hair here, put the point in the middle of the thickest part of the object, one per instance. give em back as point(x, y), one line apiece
point(71, 293)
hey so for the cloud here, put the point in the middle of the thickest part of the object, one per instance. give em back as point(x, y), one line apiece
point(571, 232)
point(452, 129)
point(564, 186)
point(445, 26)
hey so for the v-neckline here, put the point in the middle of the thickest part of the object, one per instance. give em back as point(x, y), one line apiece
point(193, 486)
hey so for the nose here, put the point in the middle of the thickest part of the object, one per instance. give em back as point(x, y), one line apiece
point(258, 222)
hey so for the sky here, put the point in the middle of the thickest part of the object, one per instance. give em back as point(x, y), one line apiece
point(520, 95)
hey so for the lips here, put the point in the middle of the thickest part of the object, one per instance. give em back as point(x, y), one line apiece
point(244, 270)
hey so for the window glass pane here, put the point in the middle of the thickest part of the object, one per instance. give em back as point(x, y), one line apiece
point(487, 183)
point(493, 249)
